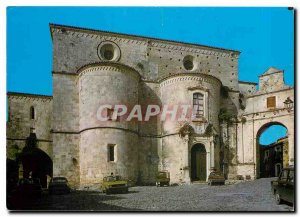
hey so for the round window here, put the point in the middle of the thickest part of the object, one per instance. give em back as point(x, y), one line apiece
point(108, 54)
point(109, 51)
point(188, 65)
point(188, 62)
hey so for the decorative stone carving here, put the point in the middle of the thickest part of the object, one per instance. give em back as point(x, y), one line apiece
point(185, 130)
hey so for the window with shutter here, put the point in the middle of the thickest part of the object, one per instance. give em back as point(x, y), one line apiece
point(271, 102)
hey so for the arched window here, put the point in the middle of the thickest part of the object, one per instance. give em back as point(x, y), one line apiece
point(198, 105)
point(32, 113)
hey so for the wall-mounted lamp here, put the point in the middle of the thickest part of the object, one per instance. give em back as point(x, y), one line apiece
point(289, 104)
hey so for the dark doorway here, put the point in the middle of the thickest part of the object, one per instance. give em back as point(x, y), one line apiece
point(198, 163)
point(36, 163)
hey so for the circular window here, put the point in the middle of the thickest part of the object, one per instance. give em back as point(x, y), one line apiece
point(188, 63)
point(108, 54)
point(109, 51)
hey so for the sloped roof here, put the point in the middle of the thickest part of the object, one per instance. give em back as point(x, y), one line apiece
point(271, 70)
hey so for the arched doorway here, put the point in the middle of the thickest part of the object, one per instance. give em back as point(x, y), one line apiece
point(198, 163)
point(35, 162)
point(271, 149)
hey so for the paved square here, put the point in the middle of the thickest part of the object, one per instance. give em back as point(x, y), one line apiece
point(247, 196)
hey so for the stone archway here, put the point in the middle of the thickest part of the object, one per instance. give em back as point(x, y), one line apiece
point(260, 172)
point(35, 162)
point(198, 163)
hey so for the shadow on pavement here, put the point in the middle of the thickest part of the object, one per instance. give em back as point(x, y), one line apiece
point(75, 201)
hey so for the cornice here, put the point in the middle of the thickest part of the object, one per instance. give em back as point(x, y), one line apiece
point(29, 95)
point(246, 82)
point(111, 66)
point(142, 40)
point(115, 128)
point(189, 76)
point(198, 88)
point(253, 114)
point(64, 73)
point(24, 139)
point(191, 48)
point(260, 93)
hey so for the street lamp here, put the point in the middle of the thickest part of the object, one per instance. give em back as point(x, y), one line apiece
point(288, 104)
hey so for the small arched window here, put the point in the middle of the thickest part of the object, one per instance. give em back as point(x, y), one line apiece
point(198, 105)
point(32, 113)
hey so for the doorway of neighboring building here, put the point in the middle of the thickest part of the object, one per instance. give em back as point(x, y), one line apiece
point(198, 163)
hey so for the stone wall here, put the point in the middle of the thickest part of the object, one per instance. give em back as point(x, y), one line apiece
point(123, 89)
point(20, 123)
point(65, 127)
point(150, 159)
point(247, 88)
point(153, 58)
point(97, 135)
point(179, 90)
point(271, 80)
point(94, 159)
point(66, 158)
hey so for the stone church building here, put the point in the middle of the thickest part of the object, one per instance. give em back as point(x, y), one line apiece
point(92, 68)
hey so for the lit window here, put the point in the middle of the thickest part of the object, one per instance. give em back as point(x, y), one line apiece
point(198, 105)
point(32, 113)
point(271, 102)
point(111, 151)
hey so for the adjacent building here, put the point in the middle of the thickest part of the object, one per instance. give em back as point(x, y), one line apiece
point(273, 158)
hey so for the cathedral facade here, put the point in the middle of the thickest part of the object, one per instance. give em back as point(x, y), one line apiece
point(94, 69)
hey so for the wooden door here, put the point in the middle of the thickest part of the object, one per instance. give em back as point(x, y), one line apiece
point(198, 163)
point(201, 166)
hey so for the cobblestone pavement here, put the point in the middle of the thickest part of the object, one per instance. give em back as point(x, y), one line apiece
point(246, 196)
